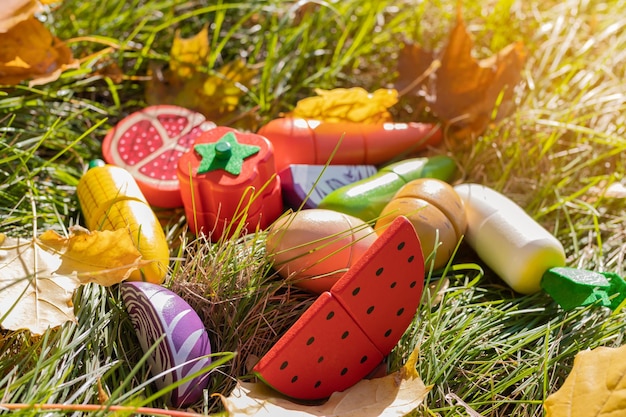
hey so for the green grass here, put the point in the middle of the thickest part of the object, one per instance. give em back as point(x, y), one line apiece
point(499, 352)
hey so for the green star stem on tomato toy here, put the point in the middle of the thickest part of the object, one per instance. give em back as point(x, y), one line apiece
point(226, 154)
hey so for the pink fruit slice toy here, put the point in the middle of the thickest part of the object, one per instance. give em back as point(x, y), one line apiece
point(148, 143)
point(347, 332)
point(155, 312)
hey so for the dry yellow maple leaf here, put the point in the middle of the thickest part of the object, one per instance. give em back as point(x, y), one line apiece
point(595, 387)
point(38, 276)
point(104, 257)
point(348, 105)
point(396, 394)
point(187, 84)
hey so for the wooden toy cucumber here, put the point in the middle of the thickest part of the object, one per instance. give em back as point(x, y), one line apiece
point(348, 330)
point(366, 198)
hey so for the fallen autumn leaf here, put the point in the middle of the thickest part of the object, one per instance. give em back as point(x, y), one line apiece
point(38, 277)
point(396, 394)
point(13, 12)
point(595, 387)
point(347, 105)
point(461, 90)
point(216, 95)
point(29, 51)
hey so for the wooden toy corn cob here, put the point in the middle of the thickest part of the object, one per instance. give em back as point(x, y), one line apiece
point(110, 199)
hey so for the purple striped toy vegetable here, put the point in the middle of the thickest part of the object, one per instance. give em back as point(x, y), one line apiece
point(156, 311)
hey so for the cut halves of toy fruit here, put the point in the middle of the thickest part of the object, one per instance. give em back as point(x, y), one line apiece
point(314, 248)
point(348, 330)
point(183, 351)
point(149, 143)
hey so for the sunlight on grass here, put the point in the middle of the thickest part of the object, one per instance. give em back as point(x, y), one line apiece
point(501, 353)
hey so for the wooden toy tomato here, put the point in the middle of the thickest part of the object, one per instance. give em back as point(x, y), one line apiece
point(228, 179)
point(436, 211)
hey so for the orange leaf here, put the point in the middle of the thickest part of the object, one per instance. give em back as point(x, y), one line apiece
point(461, 90)
point(13, 12)
point(29, 51)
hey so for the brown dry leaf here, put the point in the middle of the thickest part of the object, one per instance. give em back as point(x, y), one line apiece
point(13, 12)
point(29, 51)
point(348, 105)
point(396, 394)
point(215, 95)
point(461, 90)
point(38, 277)
point(595, 387)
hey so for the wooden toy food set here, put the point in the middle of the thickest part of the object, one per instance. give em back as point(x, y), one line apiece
point(359, 245)
point(165, 324)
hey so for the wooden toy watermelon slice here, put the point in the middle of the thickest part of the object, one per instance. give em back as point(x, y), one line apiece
point(347, 332)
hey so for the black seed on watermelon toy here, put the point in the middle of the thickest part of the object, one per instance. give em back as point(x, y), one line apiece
point(149, 143)
point(156, 311)
point(348, 330)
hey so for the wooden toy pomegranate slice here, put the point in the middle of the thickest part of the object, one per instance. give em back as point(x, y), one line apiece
point(149, 143)
point(156, 311)
point(346, 333)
